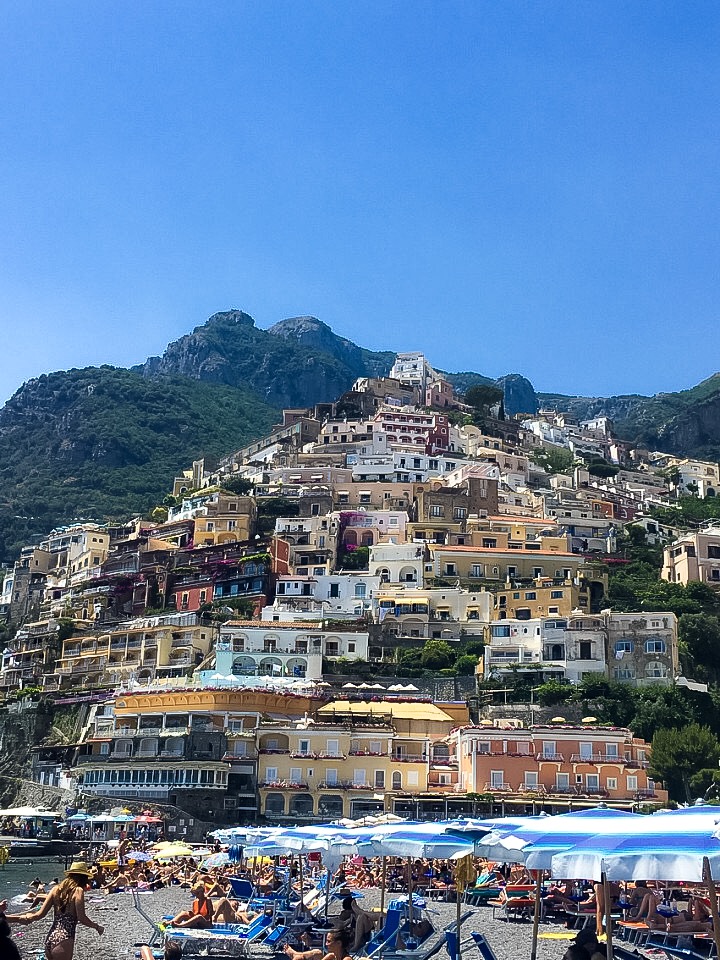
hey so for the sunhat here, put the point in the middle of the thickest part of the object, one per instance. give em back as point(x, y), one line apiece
point(78, 868)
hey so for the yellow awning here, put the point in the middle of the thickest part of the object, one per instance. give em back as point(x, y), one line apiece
point(403, 711)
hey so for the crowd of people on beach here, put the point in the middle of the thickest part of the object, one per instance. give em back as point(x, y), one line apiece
point(132, 864)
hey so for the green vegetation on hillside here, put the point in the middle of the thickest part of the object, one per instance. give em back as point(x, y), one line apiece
point(105, 443)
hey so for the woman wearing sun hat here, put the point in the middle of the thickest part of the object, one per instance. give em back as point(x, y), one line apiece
point(67, 900)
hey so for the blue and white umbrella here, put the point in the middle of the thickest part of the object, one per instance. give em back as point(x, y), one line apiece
point(544, 837)
point(669, 845)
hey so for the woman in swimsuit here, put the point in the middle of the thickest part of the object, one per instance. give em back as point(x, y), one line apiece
point(68, 902)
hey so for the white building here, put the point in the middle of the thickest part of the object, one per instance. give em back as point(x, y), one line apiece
point(290, 649)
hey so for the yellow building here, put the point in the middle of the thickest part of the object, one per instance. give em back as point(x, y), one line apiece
point(143, 649)
point(496, 560)
point(194, 748)
point(357, 758)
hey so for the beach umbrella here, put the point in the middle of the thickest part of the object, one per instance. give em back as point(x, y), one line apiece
point(669, 845)
point(216, 860)
point(173, 850)
point(140, 856)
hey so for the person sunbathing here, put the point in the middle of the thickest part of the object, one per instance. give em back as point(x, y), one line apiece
point(200, 915)
point(336, 942)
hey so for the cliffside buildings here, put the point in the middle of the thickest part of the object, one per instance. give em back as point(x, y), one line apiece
point(253, 647)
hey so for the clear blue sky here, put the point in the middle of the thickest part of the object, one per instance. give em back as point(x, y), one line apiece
point(509, 186)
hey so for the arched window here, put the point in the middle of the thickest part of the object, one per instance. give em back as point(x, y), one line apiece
point(275, 804)
point(397, 780)
point(330, 806)
point(656, 670)
point(301, 805)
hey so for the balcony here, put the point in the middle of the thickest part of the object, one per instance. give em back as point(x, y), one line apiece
point(273, 750)
point(498, 788)
point(409, 758)
point(645, 795)
point(284, 784)
point(367, 753)
point(550, 756)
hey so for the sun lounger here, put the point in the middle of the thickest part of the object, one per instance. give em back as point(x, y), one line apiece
point(484, 948)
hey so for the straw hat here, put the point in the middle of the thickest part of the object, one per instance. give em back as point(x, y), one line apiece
point(78, 868)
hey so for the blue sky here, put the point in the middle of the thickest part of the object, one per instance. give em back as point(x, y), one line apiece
point(509, 186)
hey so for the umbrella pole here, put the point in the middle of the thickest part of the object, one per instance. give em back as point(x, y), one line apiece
point(327, 891)
point(382, 887)
point(410, 893)
point(608, 914)
point(712, 893)
point(300, 880)
point(458, 898)
point(536, 915)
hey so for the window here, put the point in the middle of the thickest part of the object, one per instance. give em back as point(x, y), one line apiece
point(333, 748)
point(359, 778)
point(586, 751)
point(556, 594)
point(334, 589)
point(331, 777)
point(304, 746)
point(437, 510)
point(632, 784)
point(531, 595)
point(585, 649)
point(360, 589)
point(476, 570)
point(459, 513)
point(655, 646)
point(380, 779)
point(593, 782)
point(489, 543)
point(549, 748)
point(537, 572)
point(412, 778)
point(611, 750)
point(483, 747)
point(271, 774)
point(295, 774)
point(497, 778)
point(450, 569)
point(562, 781)
point(397, 780)
point(531, 780)
point(624, 646)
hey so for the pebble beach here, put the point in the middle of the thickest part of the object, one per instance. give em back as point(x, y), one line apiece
point(124, 927)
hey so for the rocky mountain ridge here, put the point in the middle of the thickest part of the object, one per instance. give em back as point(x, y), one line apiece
point(106, 442)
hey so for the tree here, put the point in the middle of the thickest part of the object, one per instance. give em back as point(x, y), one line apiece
point(437, 655)
point(601, 468)
point(482, 396)
point(678, 754)
point(357, 559)
point(552, 692)
point(465, 665)
point(237, 485)
point(699, 634)
point(554, 459)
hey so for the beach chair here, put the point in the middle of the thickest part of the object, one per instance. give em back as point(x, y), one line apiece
point(157, 929)
point(277, 937)
point(484, 948)
point(386, 936)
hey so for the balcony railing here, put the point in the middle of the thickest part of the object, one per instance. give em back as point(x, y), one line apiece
point(550, 756)
point(284, 784)
point(409, 758)
point(645, 794)
point(498, 788)
point(274, 750)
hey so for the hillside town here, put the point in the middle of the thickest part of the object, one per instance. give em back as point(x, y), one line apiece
point(326, 623)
